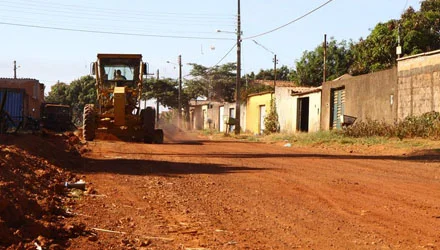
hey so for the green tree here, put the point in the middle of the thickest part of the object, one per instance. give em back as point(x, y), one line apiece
point(377, 51)
point(58, 93)
point(76, 94)
point(164, 90)
point(81, 92)
point(283, 73)
point(420, 30)
point(310, 68)
point(216, 83)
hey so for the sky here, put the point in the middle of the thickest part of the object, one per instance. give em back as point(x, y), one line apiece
point(57, 40)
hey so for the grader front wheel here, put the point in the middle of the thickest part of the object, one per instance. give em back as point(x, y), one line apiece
point(89, 122)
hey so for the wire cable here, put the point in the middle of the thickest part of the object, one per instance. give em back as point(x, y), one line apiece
point(114, 18)
point(268, 50)
point(289, 23)
point(57, 7)
point(114, 33)
point(224, 56)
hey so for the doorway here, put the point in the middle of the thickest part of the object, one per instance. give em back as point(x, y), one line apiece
point(303, 114)
point(262, 117)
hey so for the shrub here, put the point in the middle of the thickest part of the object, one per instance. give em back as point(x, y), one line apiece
point(271, 120)
point(426, 125)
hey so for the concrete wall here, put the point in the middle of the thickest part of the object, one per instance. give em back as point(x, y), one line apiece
point(370, 96)
point(197, 117)
point(286, 108)
point(253, 111)
point(418, 84)
point(229, 105)
point(34, 93)
point(213, 116)
point(202, 112)
point(314, 110)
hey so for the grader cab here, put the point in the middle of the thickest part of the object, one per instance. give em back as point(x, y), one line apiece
point(117, 112)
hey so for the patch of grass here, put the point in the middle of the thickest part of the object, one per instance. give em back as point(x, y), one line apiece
point(76, 194)
point(208, 132)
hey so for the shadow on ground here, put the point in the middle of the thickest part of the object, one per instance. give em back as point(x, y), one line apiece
point(162, 168)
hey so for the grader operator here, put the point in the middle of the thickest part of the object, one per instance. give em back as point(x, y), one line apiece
point(119, 88)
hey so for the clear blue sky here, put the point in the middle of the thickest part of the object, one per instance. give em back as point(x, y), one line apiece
point(50, 55)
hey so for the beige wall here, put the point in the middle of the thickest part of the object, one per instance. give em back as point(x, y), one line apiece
point(314, 110)
point(287, 106)
point(419, 84)
point(286, 109)
point(366, 97)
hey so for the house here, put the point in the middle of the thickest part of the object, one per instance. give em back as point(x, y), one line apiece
point(257, 106)
point(227, 110)
point(204, 115)
point(371, 96)
point(298, 108)
point(24, 98)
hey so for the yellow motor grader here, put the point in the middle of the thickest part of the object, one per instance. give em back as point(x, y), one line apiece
point(119, 88)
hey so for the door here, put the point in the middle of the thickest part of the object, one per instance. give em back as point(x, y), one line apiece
point(302, 122)
point(231, 115)
point(222, 119)
point(338, 108)
point(262, 116)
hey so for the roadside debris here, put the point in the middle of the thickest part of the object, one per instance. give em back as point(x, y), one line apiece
point(78, 185)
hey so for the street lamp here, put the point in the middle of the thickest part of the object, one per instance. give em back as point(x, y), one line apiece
point(179, 113)
point(238, 78)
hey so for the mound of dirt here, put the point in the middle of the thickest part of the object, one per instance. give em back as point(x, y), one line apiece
point(32, 194)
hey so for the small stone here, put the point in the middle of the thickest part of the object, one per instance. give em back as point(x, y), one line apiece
point(93, 238)
point(56, 247)
point(145, 243)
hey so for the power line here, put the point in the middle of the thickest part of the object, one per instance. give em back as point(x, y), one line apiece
point(101, 26)
point(118, 11)
point(268, 50)
point(224, 56)
point(293, 21)
point(114, 33)
point(113, 17)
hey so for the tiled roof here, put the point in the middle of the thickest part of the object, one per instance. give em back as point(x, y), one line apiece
point(278, 83)
point(201, 102)
point(15, 79)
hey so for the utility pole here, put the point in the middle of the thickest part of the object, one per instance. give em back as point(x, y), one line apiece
point(157, 100)
point(399, 47)
point(180, 92)
point(238, 79)
point(324, 76)
point(15, 69)
point(275, 61)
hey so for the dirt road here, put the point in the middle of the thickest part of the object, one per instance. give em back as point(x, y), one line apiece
point(202, 194)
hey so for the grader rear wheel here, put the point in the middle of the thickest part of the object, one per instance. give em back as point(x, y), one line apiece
point(158, 136)
point(148, 124)
point(89, 122)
